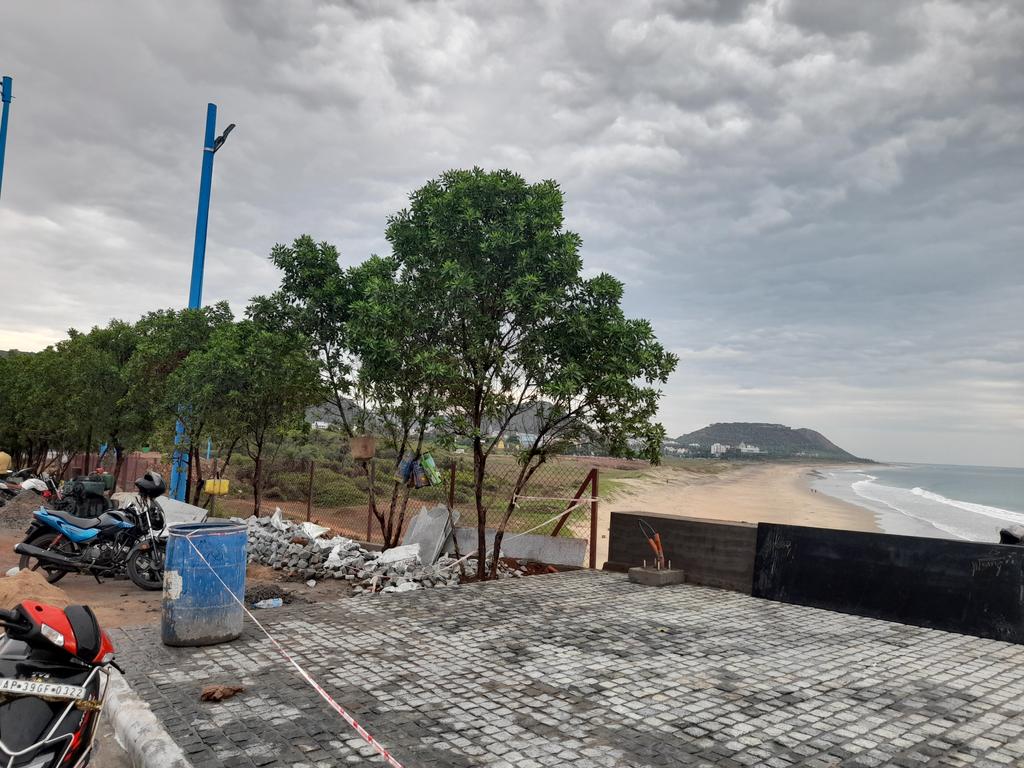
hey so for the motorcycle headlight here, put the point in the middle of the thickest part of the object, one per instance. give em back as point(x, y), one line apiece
point(52, 635)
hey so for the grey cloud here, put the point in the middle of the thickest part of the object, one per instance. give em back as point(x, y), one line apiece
point(816, 203)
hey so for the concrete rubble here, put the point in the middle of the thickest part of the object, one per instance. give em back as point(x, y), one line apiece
point(288, 547)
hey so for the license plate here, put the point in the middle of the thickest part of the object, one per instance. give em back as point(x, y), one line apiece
point(50, 690)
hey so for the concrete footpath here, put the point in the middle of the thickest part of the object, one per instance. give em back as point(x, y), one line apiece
point(585, 670)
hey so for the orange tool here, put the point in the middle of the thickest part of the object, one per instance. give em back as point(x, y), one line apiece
point(654, 539)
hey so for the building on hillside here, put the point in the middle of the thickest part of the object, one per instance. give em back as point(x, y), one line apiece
point(526, 439)
point(718, 449)
point(747, 448)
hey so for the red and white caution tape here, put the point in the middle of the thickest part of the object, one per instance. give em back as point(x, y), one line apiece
point(381, 750)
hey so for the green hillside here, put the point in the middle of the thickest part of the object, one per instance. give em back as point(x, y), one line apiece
point(774, 440)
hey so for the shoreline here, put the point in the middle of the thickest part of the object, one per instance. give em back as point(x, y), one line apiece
point(761, 493)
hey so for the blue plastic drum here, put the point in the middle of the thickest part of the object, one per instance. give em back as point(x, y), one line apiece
point(204, 562)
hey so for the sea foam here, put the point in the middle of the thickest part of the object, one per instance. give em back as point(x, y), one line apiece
point(979, 509)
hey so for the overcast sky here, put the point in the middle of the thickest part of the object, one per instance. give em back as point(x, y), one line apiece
point(819, 204)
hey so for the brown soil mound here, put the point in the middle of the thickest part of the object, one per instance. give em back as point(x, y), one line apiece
point(17, 513)
point(30, 585)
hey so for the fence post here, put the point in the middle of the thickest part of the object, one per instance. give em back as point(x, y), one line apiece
point(369, 506)
point(593, 519)
point(309, 491)
point(573, 504)
point(451, 486)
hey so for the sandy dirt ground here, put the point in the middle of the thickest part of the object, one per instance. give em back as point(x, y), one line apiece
point(119, 603)
point(768, 493)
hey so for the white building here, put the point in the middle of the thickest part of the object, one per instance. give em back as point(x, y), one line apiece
point(745, 448)
point(718, 449)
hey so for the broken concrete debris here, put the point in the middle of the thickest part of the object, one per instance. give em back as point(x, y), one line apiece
point(287, 547)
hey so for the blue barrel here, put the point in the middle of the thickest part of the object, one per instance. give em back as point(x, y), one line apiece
point(198, 608)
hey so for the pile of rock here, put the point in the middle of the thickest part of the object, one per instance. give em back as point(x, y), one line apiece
point(302, 550)
point(18, 513)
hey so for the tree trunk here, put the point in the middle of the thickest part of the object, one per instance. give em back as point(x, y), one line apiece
point(198, 490)
point(88, 452)
point(524, 477)
point(479, 469)
point(118, 464)
point(397, 530)
point(188, 473)
point(257, 483)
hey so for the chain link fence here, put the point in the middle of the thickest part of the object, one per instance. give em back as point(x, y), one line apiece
point(560, 498)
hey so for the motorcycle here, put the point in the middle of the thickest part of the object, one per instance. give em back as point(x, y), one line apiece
point(13, 483)
point(54, 667)
point(119, 542)
point(81, 496)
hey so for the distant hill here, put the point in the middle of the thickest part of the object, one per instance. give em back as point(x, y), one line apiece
point(774, 440)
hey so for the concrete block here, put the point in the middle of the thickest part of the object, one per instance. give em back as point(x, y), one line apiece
point(431, 530)
point(553, 550)
point(656, 577)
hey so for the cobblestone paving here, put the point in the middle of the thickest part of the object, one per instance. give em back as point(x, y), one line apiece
point(586, 670)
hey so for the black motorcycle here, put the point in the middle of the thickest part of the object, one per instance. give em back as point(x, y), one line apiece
point(117, 543)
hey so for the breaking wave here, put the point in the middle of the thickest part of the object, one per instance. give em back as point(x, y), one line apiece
point(997, 513)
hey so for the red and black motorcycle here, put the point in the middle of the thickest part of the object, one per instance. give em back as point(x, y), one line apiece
point(53, 681)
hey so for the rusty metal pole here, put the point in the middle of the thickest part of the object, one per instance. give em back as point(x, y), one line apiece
point(593, 519)
point(309, 491)
point(451, 486)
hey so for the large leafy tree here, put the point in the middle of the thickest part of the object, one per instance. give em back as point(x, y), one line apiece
point(315, 299)
point(71, 397)
point(157, 386)
point(258, 382)
point(392, 329)
point(95, 372)
point(37, 418)
point(518, 327)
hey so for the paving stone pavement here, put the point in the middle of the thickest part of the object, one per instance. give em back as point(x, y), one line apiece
point(586, 670)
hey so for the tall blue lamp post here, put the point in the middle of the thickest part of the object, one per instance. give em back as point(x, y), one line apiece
point(5, 96)
point(179, 463)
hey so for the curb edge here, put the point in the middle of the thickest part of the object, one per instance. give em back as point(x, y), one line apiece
point(140, 732)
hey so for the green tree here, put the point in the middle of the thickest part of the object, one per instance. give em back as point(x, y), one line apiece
point(391, 330)
point(156, 386)
point(520, 330)
point(257, 381)
point(95, 369)
point(314, 300)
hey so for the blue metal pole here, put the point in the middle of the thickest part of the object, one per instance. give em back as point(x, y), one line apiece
point(5, 95)
point(179, 464)
point(195, 291)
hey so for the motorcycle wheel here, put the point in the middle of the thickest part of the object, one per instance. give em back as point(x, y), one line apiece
point(146, 567)
point(45, 541)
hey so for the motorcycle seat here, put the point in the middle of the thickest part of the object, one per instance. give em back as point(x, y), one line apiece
point(84, 523)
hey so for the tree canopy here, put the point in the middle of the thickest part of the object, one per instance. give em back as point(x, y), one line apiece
point(481, 317)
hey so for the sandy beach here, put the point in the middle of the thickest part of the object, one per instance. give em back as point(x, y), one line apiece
point(769, 493)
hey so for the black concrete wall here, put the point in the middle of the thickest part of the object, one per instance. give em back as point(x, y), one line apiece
point(712, 553)
point(959, 586)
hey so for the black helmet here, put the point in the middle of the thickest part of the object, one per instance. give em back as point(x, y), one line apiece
point(151, 485)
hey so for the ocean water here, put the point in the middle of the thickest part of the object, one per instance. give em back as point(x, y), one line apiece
point(943, 501)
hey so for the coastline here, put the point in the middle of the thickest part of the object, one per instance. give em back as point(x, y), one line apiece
point(752, 493)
